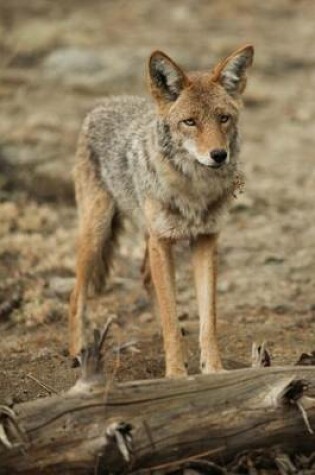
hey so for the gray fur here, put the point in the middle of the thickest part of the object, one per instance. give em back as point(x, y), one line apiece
point(132, 144)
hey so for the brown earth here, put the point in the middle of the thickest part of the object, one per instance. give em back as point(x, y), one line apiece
point(58, 58)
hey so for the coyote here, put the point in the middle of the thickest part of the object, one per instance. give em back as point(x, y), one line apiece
point(171, 167)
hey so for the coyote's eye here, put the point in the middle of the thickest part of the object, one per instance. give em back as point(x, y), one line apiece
point(224, 118)
point(189, 122)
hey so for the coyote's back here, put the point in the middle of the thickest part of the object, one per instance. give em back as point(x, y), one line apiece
point(115, 133)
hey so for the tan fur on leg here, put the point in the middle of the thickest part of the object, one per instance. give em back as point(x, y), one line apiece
point(98, 229)
point(162, 268)
point(204, 262)
point(77, 320)
point(95, 231)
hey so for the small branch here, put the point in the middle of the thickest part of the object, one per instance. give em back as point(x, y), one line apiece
point(129, 344)
point(284, 464)
point(294, 391)
point(48, 388)
point(306, 359)
point(305, 417)
point(4, 438)
point(260, 356)
point(9, 426)
point(294, 395)
point(121, 432)
point(91, 359)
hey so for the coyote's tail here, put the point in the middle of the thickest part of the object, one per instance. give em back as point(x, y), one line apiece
point(99, 219)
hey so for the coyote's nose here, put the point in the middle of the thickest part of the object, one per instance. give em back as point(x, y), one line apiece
point(219, 155)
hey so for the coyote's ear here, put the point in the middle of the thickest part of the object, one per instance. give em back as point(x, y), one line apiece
point(167, 80)
point(231, 72)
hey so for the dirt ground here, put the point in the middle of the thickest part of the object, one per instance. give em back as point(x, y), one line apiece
point(57, 59)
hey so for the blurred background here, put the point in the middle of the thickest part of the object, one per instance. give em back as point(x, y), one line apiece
point(58, 58)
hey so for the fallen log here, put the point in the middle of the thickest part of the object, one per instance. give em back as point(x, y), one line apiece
point(157, 426)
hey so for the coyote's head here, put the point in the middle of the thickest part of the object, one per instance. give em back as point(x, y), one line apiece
point(199, 110)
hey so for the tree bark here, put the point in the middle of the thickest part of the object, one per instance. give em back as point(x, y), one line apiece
point(158, 424)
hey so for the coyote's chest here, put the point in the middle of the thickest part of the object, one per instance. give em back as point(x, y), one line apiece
point(180, 219)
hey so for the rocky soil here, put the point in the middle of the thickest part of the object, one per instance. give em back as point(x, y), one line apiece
point(57, 59)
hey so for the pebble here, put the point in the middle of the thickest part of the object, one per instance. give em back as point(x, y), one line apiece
point(61, 286)
point(146, 317)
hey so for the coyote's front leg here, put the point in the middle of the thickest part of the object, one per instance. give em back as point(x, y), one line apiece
point(204, 262)
point(162, 269)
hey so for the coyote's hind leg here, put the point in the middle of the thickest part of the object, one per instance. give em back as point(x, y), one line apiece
point(94, 249)
point(98, 230)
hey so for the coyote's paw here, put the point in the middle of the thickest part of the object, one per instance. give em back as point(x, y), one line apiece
point(210, 368)
point(176, 373)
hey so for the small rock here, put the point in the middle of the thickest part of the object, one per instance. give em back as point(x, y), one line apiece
point(273, 260)
point(146, 317)
point(281, 309)
point(61, 286)
point(42, 353)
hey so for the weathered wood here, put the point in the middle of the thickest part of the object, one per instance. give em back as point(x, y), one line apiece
point(170, 421)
